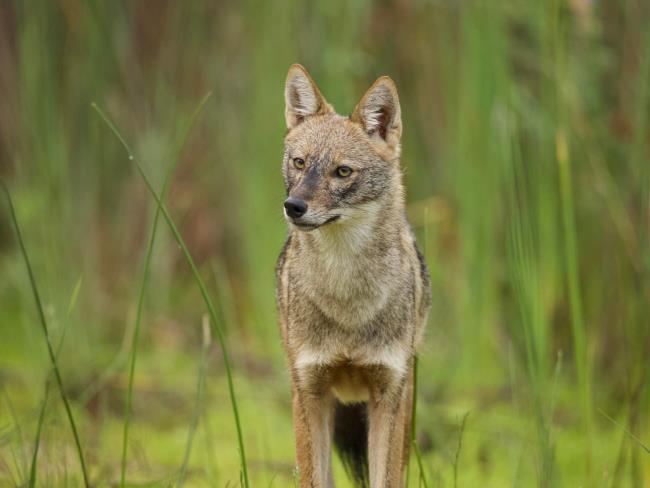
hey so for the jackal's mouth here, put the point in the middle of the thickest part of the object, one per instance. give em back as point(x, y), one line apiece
point(331, 219)
point(307, 227)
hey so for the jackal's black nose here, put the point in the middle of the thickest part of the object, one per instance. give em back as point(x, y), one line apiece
point(295, 207)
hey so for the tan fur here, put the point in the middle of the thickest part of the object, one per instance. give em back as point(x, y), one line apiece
point(352, 290)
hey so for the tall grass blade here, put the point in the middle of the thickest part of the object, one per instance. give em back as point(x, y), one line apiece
point(46, 394)
point(143, 284)
point(635, 438)
point(50, 350)
point(414, 442)
point(559, 26)
point(418, 457)
point(75, 294)
point(413, 415)
point(200, 392)
point(575, 294)
point(524, 268)
point(461, 431)
point(37, 440)
point(199, 281)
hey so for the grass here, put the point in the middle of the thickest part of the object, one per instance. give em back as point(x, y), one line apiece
point(461, 430)
point(141, 294)
point(37, 441)
point(200, 387)
point(526, 155)
point(41, 416)
point(50, 349)
point(214, 321)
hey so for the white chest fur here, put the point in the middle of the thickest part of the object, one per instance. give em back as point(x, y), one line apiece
point(343, 275)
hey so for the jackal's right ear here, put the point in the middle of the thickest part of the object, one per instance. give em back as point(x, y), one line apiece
point(379, 112)
point(302, 97)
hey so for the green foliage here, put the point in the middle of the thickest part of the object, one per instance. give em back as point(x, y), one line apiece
point(526, 155)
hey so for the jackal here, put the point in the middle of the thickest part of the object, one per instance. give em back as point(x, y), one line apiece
point(352, 288)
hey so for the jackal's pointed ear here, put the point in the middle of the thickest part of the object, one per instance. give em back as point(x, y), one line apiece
point(379, 112)
point(302, 97)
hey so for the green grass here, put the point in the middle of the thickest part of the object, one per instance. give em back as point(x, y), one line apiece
point(41, 416)
point(200, 393)
point(141, 294)
point(46, 335)
point(214, 321)
point(526, 156)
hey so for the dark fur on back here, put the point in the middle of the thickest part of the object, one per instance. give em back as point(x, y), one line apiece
point(351, 440)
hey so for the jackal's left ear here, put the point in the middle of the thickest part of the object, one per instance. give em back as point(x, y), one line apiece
point(302, 97)
point(379, 111)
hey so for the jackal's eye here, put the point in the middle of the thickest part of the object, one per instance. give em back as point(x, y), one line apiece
point(299, 163)
point(343, 171)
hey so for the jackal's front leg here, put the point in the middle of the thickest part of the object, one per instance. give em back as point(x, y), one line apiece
point(387, 415)
point(313, 426)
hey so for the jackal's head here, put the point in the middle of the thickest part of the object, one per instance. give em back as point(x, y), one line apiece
point(338, 169)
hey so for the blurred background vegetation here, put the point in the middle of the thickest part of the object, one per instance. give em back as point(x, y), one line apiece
point(527, 161)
